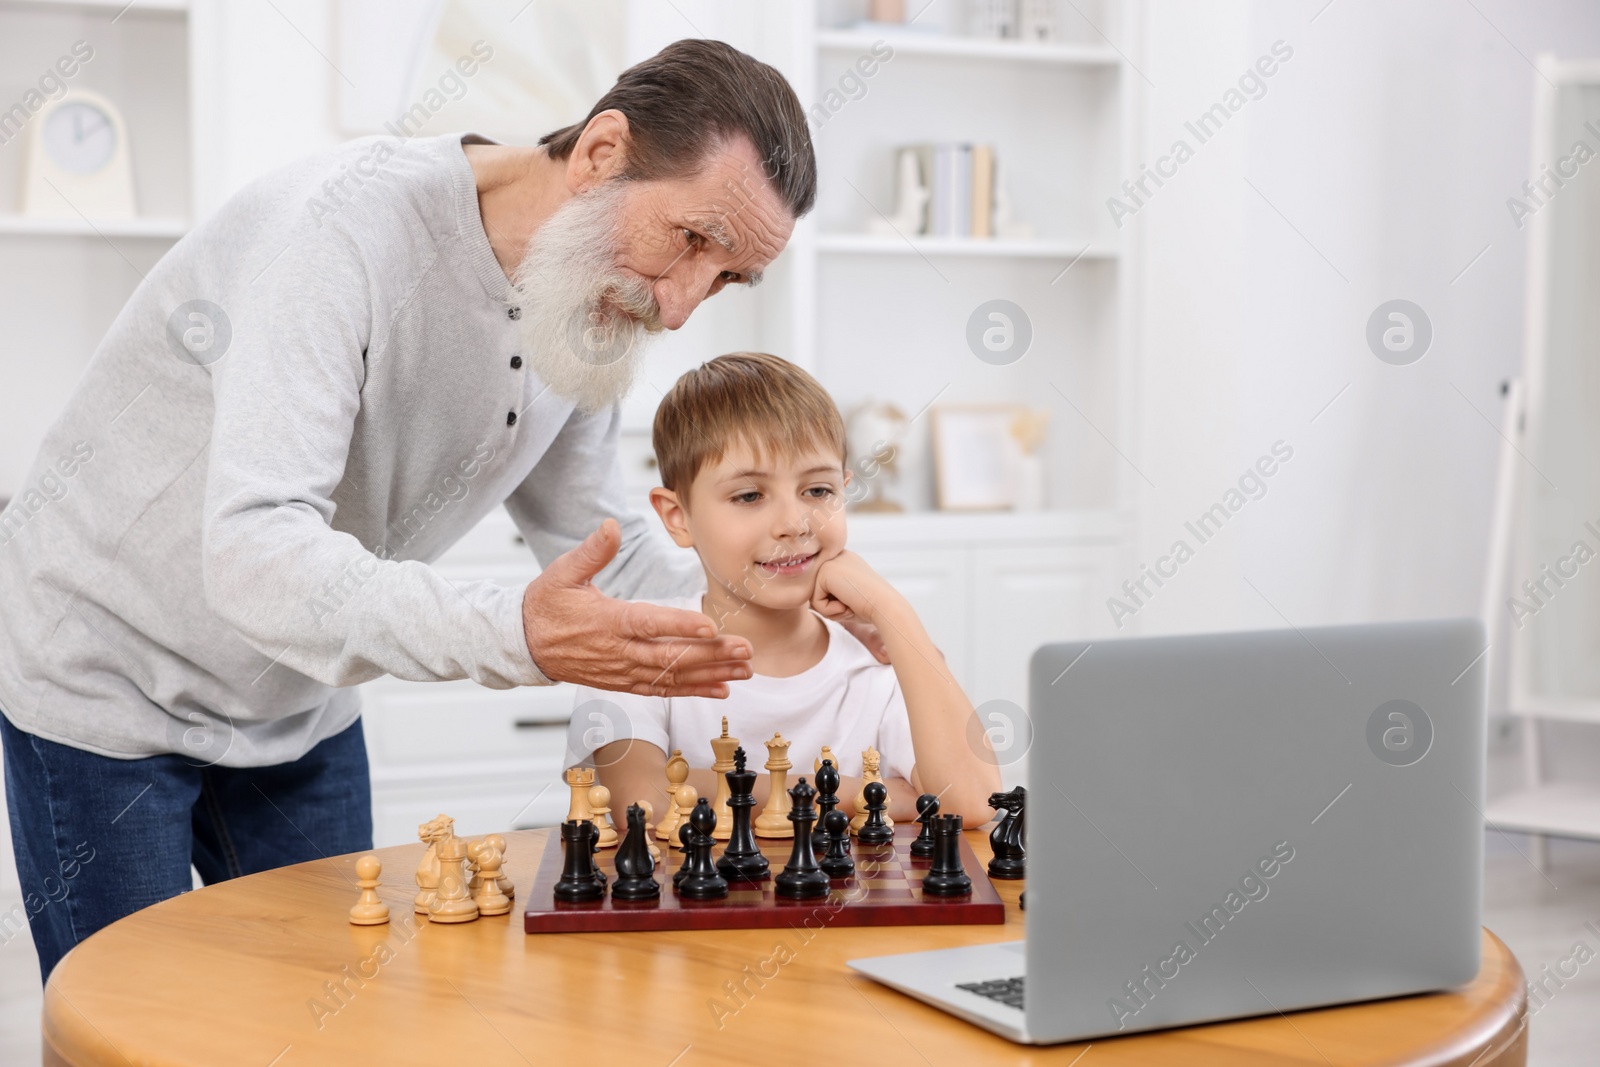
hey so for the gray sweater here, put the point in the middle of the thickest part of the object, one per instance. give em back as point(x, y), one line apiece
point(302, 405)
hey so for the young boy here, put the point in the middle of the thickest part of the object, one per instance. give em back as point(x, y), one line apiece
point(751, 454)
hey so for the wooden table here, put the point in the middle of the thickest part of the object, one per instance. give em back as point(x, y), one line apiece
point(265, 970)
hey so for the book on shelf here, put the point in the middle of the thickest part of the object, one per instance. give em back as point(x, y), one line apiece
point(957, 179)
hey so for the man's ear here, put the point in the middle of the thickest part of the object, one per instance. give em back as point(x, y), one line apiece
point(600, 153)
point(673, 516)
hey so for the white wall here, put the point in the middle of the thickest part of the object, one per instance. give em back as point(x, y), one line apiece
point(1390, 141)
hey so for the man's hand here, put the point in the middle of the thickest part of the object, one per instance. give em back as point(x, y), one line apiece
point(576, 633)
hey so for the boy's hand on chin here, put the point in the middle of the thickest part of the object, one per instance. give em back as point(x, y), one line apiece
point(847, 587)
point(849, 592)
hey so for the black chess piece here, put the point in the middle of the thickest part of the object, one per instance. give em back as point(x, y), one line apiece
point(685, 834)
point(700, 878)
point(927, 808)
point(594, 850)
point(742, 860)
point(577, 883)
point(875, 831)
point(635, 866)
point(801, 878)
point(1008, 838)
point(837, 863)
point(947, 877)
point(827, 800)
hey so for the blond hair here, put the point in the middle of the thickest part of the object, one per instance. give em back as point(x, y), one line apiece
point(761, 401)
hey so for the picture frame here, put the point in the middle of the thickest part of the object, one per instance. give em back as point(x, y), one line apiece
point(976, 457)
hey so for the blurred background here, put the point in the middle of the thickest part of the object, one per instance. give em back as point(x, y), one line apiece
point(1305, 287)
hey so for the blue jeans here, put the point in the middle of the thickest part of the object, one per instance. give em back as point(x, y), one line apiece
point(99, 838)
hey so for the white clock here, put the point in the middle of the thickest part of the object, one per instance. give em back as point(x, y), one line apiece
point(78, 160)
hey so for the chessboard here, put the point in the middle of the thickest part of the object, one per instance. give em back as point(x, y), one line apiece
point(886, 890)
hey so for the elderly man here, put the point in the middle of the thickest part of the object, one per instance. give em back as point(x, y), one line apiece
point(311, 396)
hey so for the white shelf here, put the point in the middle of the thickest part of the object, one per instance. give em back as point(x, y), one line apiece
point(1564, 809)
point(938, 44)
point(18, 225)
point(1563, 709)
point(113, 7)
point(872, 244)
point(927, 528)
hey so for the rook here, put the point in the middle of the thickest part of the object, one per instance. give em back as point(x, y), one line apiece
point(947, 877)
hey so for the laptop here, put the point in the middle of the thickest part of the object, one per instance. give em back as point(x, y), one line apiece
point(1227, 825)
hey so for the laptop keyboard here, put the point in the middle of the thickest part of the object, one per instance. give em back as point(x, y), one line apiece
point(1007, 991)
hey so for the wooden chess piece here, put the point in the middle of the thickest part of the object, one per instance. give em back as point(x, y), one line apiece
point(723, 748)
point(453, 903)
point(874, 831)
point(947, 877)
point(677, 773)
point(488, 897)
point(824, 757)
point(579, 779)
point(599, 808)
point(774, 821)
point(1008, 839)
point(506, 885)
point(368, 909)
point(649, 818)
point(871, 760)
point(578, 884)
point(700, 879)
point(801, 878)
point(742, 860)
point(635, 869)
point(927, 808)
point(827, 800)
point(685, 800)
point(431, 833)
point(837, 862)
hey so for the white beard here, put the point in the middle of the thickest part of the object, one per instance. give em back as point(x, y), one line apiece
point(584, 322)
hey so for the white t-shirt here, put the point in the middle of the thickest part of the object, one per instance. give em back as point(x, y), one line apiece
point(847, 701)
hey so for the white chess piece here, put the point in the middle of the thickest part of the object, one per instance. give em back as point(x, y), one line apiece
point(599, 808)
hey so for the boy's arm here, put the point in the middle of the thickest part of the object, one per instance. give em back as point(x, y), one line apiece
point(953, 756)
point(633, 770)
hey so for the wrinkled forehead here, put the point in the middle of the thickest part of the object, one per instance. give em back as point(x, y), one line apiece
point(733, 202)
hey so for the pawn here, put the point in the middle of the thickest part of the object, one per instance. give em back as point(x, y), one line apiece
point(837, 863)
point(650, 818)
point(685, 798)
point(927, 808)
point(488, 897)
point(506, 885)
point(599, 808)
point(875, 831)
point(369, 910)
